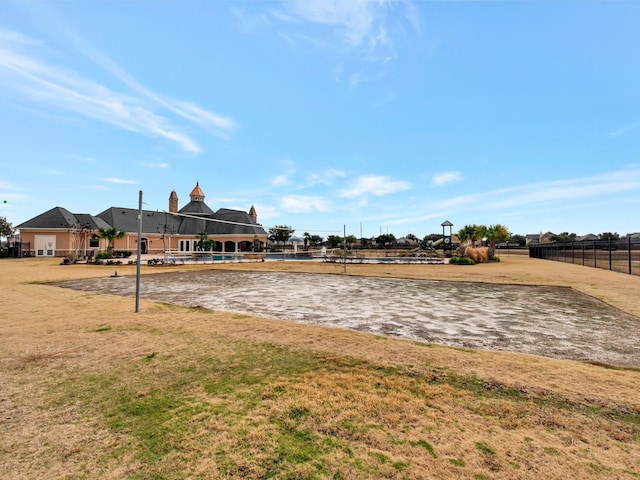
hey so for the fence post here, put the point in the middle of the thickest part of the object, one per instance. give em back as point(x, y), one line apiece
point(595, 255)
point(610, 264)
point(629, 252)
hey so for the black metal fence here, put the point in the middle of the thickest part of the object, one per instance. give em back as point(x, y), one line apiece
point(617, 255)
point(15, 250)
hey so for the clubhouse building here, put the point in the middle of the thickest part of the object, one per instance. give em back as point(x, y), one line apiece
point(58, 232)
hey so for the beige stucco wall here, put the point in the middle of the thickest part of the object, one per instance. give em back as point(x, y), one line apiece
point(155, 243)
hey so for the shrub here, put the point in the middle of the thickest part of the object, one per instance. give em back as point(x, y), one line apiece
point(461, 261)
point(122, 253)
point(102, 255)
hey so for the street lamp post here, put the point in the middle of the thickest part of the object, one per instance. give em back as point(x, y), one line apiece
point(447, 238)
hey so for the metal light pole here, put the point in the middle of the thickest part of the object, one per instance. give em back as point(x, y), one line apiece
point(139, 251)
point(344, 245)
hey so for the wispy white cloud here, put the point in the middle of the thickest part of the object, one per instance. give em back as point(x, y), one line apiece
point(37, 82)
point(96, 188)
point(325, 177)
point(187, 110)
point(526, 200)
point(355, 22)
point(221, 125)
point(280, 180)
point(376, 185)
point(119, 181)
point(577, 189)
point(624, 130)
point(304, 204)
point(162, 165)
point(267, 211)
point(359, 29)
point(445, 177)
point(248, 22)
point(406, 220)
point(557, 192)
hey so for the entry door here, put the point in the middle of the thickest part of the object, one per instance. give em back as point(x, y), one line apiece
point(45, 245)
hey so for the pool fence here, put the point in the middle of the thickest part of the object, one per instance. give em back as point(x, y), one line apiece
point(617, 255)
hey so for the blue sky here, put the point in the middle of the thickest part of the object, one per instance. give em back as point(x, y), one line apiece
point(389, 116)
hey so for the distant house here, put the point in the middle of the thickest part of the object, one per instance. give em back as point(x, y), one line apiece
point(546, 237)
point(532, 238)
point(406, 242)
point(58, 232)
point(589, 237)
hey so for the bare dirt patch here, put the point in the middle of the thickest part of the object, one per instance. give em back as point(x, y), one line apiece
point(543, 320)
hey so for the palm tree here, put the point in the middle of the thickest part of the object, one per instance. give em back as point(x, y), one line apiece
point(204, 243)
point(280, 233)
point(495, 233)
point(469, 235)
point(202, 237)
point(110, 234)
point(476, 232)
point(463, 236)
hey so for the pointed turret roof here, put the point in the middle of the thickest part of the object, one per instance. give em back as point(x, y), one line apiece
point(197, 195)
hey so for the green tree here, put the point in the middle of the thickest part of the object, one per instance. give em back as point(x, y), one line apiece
point(521, 240)
point(6, 229)
point(315, 240)
point(477, 233)
point(471, 233)
point(563, 237)
point(609, 236)
point(351, 240)
point(334, 240)
point(494, 234)
point(256, 246)
point(280, 233)
point(411, 236)
point(463, 236)
point(110, 235)
point(204, 243)
point(386, 240)
point(427, 240)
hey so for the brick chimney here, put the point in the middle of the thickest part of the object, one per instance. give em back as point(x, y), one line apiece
point(173, 202)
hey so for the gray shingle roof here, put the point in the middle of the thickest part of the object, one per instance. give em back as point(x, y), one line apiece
point(91, 222)
point(196, 208)
point(126, 220)
point(246, 225)
point(59, 217)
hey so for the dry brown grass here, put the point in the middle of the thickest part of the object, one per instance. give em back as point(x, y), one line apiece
point(477, 254)
point(92, 390)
